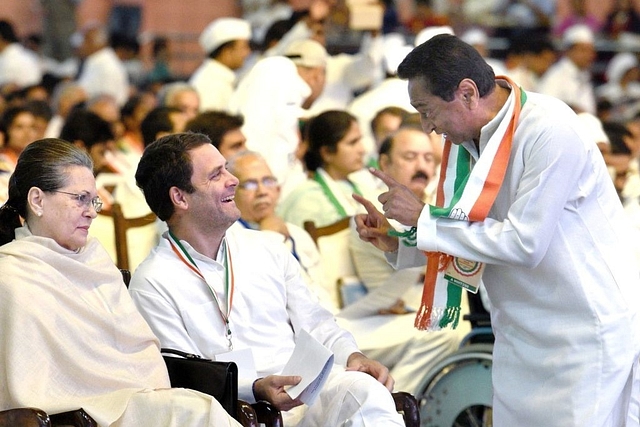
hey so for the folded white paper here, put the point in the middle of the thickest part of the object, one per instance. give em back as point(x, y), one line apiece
point(312, 361)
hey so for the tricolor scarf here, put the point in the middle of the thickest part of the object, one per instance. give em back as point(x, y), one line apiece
point(465, 194)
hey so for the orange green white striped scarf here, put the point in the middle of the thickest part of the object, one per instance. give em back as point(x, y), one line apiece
point(465, 194)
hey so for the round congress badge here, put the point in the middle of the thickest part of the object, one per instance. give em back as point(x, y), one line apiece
point(466, 268)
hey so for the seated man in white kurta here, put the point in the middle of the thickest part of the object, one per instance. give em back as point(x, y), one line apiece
point(208, 290)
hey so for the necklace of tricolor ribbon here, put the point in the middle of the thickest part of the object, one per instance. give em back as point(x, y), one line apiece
point(184, 256)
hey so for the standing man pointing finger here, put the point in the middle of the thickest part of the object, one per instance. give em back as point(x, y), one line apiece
point(525, 199)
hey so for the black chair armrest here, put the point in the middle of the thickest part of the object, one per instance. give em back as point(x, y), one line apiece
point(77, 418)
point(246, 415)
point(268, 414)
point(24, 417)
point(407, 405)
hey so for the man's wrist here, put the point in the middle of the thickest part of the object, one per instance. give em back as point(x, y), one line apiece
point(253, 389)
point(392, 249)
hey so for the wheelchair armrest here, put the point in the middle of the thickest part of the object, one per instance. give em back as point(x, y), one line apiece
point(478, 334)
point(407, 405)
point(77, 418)
point(268, 414)
point(24, 417)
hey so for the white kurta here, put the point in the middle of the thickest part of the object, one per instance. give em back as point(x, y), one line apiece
point(271, 306)
point(561, 276)
point(302, 247)
point(346, 74)
point(214, 83)
point(72, 338)
point(19, 66)
point(104, 73)
point(390, 339)
point(270, 99)
point(565, 81)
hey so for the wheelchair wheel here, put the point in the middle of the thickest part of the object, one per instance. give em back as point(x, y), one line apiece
point(458, 391)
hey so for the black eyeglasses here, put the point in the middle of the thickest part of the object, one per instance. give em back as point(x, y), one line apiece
point(84, 200)
point(252, 184)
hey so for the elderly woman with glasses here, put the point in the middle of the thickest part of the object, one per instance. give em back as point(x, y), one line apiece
point(71, 335)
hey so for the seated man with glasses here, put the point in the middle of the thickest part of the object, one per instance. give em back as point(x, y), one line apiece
point(409, 353)
point(257, 195)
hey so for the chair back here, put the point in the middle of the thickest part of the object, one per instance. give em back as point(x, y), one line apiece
point(328, 230)
point(121, 225)
point(333, 245)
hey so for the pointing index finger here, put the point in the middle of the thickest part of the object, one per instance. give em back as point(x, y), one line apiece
point(390, 182)
point(371, 209)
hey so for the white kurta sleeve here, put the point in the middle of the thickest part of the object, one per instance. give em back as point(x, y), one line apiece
point(306, 313)
point(270, 99)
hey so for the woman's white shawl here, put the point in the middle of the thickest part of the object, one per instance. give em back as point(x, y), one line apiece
point(71, 336)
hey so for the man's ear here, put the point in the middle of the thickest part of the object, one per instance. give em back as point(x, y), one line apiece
point(178, 198)
point(468, 93)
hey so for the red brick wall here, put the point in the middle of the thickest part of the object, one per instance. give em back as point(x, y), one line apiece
point(179, 20)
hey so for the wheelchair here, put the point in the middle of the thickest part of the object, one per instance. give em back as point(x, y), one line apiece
point(457, 391)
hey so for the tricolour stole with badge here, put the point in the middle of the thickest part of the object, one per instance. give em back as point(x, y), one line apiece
point(465, 194)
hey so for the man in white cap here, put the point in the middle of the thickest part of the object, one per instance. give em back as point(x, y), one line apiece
point(569, 79)
point(271, 98)
point(622, 88)
point(226, 43)
point(346, 73)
